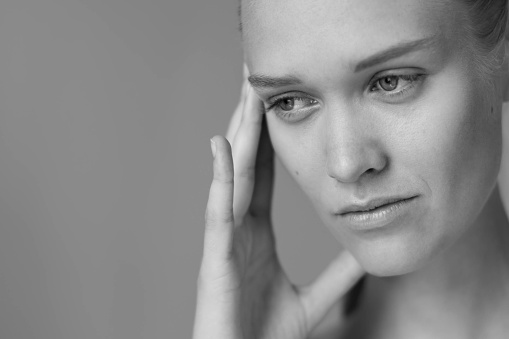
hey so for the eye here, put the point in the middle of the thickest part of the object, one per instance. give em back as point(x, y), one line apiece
point(389, 83)
point(287, 104)
point(396, 85)
point(292, 108)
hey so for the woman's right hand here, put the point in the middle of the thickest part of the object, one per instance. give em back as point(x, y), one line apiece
point(243, 292)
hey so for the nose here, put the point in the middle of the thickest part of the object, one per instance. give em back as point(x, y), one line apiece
point(353, 150)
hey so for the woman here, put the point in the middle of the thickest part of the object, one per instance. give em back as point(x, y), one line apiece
point(388, 116)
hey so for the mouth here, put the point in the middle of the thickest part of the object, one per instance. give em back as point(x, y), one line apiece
point(373, 205)
point(378, 213)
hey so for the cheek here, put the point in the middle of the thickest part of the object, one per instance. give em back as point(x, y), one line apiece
point(457, 154)
point(297, 151)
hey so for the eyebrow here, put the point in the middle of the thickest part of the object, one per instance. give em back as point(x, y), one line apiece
point(264, 81)
point(394, 52)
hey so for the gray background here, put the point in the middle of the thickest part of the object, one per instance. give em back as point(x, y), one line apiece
point(106, 110)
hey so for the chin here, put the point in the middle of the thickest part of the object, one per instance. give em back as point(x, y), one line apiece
point(385, 258)
point(388, 267)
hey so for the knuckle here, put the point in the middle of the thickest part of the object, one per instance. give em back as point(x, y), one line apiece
point(212, 220)
point(225, 219)
point(221, 179)
point(219, 281)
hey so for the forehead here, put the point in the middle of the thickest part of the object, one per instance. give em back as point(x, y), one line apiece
point(279, 33)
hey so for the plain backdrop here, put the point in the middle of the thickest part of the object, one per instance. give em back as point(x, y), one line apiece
point(106, 110)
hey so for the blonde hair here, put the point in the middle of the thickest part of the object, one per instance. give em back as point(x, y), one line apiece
point(488, 21)
point(486, 24)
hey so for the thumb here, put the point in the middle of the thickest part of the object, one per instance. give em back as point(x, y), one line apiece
point(332, 284)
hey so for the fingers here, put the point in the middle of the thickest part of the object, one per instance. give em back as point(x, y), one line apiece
point(244, 149)
point(264, 175)
point(253, 156)
point(234, 123)
point(216, 308)
point(233, 126)
point(219, 213)
point(334, 282)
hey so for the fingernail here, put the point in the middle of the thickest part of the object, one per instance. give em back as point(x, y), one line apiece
point(213, 147)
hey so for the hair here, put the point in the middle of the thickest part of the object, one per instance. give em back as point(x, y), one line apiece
point(486, 24)
point(488, 21)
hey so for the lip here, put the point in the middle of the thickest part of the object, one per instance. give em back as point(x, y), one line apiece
point(377, 213)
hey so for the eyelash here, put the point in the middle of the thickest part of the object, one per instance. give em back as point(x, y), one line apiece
point(373, 87)
point(286, 114)
point(411, 78)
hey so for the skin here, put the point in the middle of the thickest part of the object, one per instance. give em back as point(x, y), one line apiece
point(243, 291)
point(438, 140)
point(441, 269)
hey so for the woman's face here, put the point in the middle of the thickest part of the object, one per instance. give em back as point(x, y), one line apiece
point(370, 102)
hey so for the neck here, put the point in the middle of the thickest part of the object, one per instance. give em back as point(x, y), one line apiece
point(463, 293)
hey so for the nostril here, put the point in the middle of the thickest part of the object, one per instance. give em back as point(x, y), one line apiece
point(348, 163)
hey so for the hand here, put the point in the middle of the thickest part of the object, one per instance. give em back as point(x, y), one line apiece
point(243, 292)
